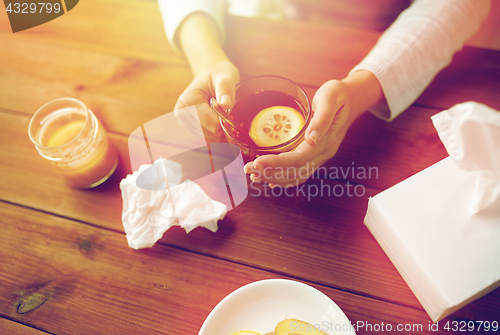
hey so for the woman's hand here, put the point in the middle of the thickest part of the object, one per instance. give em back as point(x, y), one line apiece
point(214, 75)
point(336, 105)
point(216, 80)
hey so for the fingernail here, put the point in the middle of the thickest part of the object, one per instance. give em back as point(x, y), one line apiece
point(258, 166)
point(255, 179)
point(225, 99)
point(314, 136)
point(248, 168)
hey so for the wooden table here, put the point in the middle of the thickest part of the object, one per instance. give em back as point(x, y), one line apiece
point(65, 267)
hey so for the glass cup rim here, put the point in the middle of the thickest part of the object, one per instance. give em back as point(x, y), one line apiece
point(284, 144)
point(30, 126)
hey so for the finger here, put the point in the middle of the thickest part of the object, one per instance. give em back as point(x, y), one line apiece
point(208, 118)
point(325, 105)
point(283, 176)
point(209, 123)
point(296, 158)
point(287, 167)
point(181, 102)
point(224, 85)
point(285, 182)
point(249, 168)
point(291, 184)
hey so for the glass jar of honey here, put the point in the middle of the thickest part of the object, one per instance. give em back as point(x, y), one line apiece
point(73, 140)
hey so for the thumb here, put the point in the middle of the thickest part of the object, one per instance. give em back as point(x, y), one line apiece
point(325, 104)
point(224, 85)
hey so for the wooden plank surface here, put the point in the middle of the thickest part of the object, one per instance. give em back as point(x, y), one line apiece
point(128, 75)
point(49, 193)
point(73, 278)
point(355, 263)
point(472, 76)
point(15, 328)
point(312, 54)
point(114, 55)
point(67, 246)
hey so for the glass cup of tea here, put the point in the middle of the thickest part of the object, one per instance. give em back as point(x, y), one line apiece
point(271, 113)
point(73, 140)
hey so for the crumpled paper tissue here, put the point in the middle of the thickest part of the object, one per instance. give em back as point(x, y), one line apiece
point(470, 133)
point(154, 200)
point(441, 227)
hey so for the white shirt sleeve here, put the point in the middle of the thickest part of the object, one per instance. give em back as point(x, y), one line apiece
point(419, 44)
point(175, 11)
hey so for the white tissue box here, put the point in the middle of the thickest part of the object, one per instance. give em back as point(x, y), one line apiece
point(447, 256)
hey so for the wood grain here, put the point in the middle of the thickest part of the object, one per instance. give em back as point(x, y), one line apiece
point(65, 266)
point(313, 53)
point(472, 76)
point(113, 55)
point(91, 282)
point(129, 75)
point(15, 328)
point(355, 261)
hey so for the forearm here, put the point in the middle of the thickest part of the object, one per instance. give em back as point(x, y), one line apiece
point(175, 12)
point(364, 91)
point(418, 45)
point(199, 39)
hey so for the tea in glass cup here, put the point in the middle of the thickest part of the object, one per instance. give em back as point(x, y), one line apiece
point(73, 140)
point(272, 114)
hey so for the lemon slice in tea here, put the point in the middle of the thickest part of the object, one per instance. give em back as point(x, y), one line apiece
point(275, 125)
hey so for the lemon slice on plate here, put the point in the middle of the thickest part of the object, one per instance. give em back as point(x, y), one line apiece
point(275, 125)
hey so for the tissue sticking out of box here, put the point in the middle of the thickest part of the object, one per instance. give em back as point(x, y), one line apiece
point(154, 200)
point(470, 133)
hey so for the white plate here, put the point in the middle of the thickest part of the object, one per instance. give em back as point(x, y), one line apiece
point(261, 305)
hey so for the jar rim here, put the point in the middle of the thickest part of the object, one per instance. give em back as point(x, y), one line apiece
point(33, 136)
